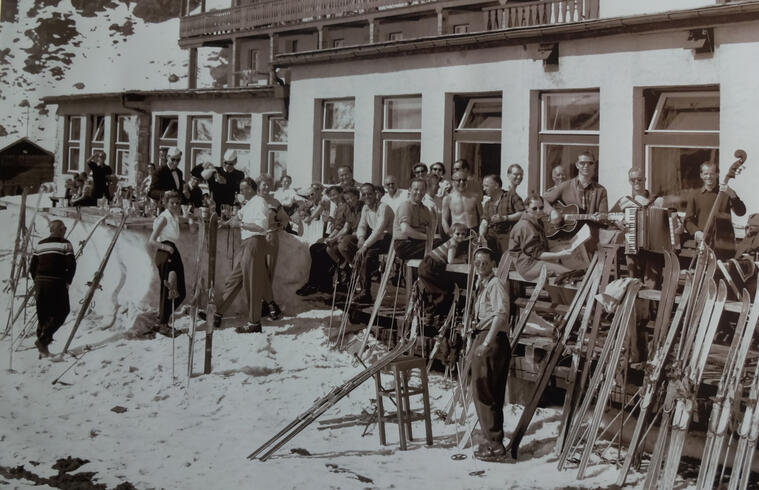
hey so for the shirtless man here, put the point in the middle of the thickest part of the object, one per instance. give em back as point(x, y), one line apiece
point(462, 205)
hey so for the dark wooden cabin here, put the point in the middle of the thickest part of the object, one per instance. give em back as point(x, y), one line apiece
point(23, 163)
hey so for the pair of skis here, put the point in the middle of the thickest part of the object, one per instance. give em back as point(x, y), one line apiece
point(267, 449)
point(729, 384)
point(95, 283)
point(207, 232)
point(564, 329)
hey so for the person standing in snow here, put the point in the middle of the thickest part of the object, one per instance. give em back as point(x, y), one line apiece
point(250, 271)
point(100, 172)
point(491, 354)
point(52, 268)
point(165, 236)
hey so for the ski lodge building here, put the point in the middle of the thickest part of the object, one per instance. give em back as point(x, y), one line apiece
point(382, 84)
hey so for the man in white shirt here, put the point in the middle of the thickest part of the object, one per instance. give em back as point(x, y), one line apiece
point(250, 270)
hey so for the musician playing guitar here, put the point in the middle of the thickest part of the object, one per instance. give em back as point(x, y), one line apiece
point(589, 196)
point(699, 206)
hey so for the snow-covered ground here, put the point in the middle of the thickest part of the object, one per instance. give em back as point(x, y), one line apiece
point(170, 435)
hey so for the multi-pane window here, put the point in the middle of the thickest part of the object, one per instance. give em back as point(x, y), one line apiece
point(276, 147)
point(201, 135)
point(237, 132)
point(336, 137)
point(97, 133)
point(569, 125)
point(124, 126)
point(74, 130)
point(682, 133)
point(401, 137)
point(167, 129)
point(477, 134)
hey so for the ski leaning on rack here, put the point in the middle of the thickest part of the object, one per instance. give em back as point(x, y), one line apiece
point(651, 383)
point(96, 278)
point(197, 292)
point(564, 329)
point(748, 431)
point(330, 399)
point(729, 384)
point(213, 226)
point(390, 259)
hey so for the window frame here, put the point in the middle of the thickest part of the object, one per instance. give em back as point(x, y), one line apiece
point(337, 135)
point(74, 144)
point(569, 137)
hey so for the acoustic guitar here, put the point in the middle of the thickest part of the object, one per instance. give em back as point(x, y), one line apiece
point(570, 219)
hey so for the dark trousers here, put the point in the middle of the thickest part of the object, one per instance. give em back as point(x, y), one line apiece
point(52, 297)
point(409, 248)
point(489, 375)
point(437, 282)
point(371, 261)
point(167, 262)
point(498, 242)
point(322, 267)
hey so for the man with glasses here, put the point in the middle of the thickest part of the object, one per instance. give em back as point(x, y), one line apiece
point(168, 178)
point(393, 196)
point(223, 181)
point(462, 205)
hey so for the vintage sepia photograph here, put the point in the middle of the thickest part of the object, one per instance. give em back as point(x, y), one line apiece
point(392, 244)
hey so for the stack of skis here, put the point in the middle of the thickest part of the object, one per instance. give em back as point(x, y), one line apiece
point(682, 340)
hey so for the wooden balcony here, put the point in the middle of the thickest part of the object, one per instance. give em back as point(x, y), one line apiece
point(542, 12)
point(272, 13)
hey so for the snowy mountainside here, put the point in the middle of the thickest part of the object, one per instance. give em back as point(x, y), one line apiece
point(64, 47)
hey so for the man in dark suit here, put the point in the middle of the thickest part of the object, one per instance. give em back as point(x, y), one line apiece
point(224, 181)
point(168, 178)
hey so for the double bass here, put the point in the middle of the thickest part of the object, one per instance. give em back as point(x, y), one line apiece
point(722, 245)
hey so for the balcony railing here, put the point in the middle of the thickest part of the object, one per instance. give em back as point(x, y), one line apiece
point(280, 12)
point(541, 12)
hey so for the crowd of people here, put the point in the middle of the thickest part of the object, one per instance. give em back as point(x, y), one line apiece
point(349, 225)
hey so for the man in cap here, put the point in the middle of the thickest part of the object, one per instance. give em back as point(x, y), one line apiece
point(224, 181)
point(168, 178)
point(52, 267)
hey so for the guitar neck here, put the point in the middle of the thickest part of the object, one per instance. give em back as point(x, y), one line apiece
point(594, 217)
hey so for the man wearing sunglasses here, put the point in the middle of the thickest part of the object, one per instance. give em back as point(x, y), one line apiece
point(168, 178)
point(223, 181)
point(587, 194)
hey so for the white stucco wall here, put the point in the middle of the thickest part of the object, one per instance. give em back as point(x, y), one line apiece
point(616, 8)
point(614, 65)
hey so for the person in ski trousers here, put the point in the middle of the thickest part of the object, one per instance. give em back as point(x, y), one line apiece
point(52, 268)
point(491, 354)
point(164, 238)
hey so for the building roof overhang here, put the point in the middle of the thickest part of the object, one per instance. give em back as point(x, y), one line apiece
point(681, 19)
point(147, 95)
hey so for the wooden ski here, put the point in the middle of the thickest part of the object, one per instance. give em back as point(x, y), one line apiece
point(95, 283)
point(213, 226)
point(197, 288)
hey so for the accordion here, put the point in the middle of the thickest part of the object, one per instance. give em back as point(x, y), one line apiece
point(650, 228)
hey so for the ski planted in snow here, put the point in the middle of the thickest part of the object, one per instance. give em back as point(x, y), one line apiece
point(213, 226)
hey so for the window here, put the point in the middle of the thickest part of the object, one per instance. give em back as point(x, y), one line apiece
point(167, 130)
point(395, 36)
point(338, 43)
point(97, 130)
point(275, 154)
point(201, 135)
point(461, 29)
point(252, 59)
point(73, 146)
point(569, 125)
point(125, 126)
point(401, 137)
point(682, 132)
point(237, 133)
point(336, 137)
point(477, 133)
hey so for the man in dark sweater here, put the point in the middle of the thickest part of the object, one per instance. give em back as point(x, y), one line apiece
point(168, 178)
point(224, 181)
point(52, 267)
point(100, 172)
point(699, 206)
